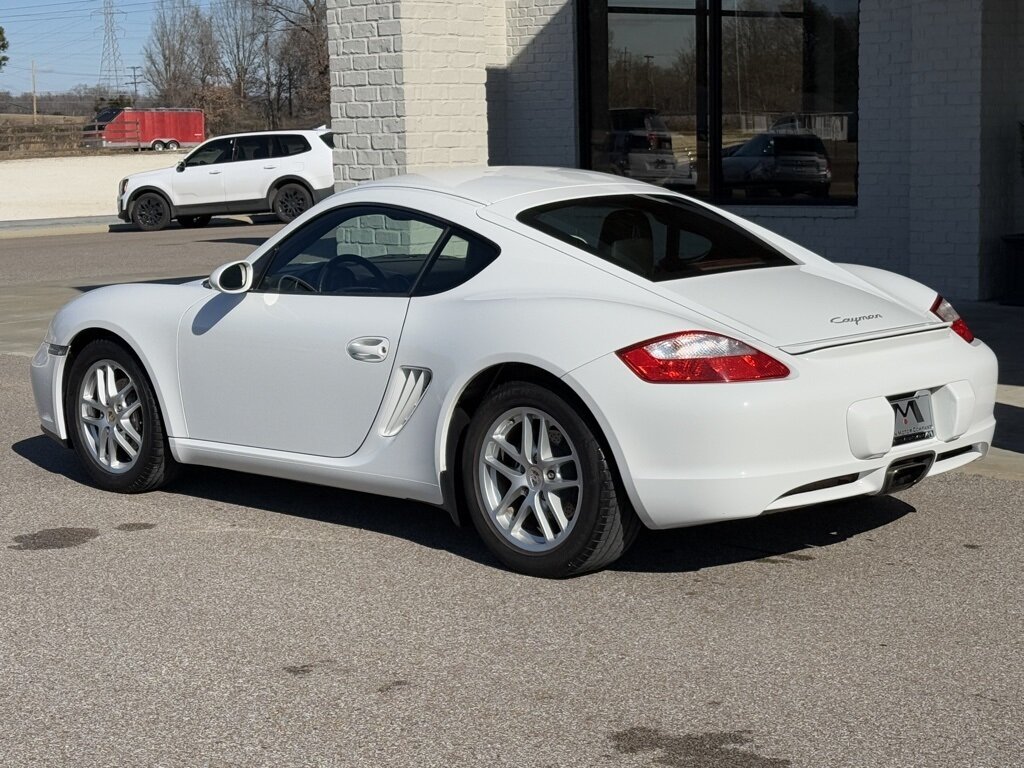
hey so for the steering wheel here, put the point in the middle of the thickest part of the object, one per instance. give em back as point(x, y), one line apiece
point(350, 258)
point(298, 281)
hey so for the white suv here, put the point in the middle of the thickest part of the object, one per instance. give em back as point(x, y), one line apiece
point(281, 171)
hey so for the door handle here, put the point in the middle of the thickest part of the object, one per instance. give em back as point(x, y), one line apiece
point(368, 349)
point(269, 167)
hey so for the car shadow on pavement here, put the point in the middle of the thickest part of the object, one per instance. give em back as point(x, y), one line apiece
point(786, 538)
point(215, 223)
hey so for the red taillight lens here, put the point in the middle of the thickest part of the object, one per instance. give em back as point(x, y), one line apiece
point(699, 356)
point(944, 311)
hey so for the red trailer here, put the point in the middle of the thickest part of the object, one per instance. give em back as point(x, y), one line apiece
point(158, 129)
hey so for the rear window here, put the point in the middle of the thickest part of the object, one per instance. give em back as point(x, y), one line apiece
point(328, 139)
point(659, 238)
point(290, 145)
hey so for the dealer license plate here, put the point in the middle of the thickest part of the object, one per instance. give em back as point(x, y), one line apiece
point(913, 418)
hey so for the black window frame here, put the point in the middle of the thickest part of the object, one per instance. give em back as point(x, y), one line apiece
point(709, 14)
point(230, 158)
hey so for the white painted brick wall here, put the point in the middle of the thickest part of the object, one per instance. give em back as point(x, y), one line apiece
point(367, 90)
point(540, 83)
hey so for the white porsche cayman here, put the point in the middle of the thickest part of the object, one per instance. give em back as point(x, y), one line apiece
point(559, 356)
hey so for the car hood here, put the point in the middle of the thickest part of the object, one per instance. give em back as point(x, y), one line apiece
point(797, 308)
point(145, 177)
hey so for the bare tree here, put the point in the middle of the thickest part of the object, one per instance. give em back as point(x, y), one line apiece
point(181, 56)
point(240, 26)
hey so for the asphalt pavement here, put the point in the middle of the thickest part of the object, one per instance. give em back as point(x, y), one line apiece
point(232, 620)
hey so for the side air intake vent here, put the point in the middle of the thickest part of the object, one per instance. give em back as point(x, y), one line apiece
point(406, 393)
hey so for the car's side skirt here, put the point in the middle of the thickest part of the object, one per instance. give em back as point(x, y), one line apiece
point(348, 473)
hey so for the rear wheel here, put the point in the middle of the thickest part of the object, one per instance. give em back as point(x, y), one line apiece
point(540, 488)
point(172, 145)
point(114, 422)
point(193, 222)
point(151, 212)
point(291, 201)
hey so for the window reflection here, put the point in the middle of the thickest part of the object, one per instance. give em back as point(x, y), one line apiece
point(770, 84)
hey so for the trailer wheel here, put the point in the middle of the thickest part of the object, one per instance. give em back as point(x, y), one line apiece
point(158, 146)
point(173, 145)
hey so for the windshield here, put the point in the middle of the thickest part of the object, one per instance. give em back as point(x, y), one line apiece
point(106, 115)
point(659, 238)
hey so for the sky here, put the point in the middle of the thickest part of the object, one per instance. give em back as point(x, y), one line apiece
point(65, 37)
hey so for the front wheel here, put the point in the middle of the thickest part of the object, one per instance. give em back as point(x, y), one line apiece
point(151, 212)
point(540, 488)
point(291, 201)
point(114, 421)
point(159, 146)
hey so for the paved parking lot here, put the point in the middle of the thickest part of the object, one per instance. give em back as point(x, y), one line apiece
point(237, 621)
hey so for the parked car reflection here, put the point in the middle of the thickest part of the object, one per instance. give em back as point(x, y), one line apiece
point(640, 146)
point(786, 163)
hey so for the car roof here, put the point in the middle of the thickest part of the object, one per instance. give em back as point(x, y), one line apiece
point(282, 132)
point(489, 185)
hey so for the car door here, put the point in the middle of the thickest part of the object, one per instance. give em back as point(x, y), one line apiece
point(200, 177)
point(249, 176)
point(300, 363)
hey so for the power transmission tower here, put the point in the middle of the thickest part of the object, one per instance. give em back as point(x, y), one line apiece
point(112, 75)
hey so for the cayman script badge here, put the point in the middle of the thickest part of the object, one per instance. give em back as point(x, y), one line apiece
point(855, 320)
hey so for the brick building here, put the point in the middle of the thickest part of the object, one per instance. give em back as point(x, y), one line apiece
point(882, 132)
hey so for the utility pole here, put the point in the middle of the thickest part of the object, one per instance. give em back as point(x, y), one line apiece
point(135, 81)
point(34, 113)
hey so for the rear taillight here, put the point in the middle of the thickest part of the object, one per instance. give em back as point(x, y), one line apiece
point(699, 356)
point(944, 311)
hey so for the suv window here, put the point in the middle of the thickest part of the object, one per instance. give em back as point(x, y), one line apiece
point(254, 147)
point(328, 139)
point(356, 250)
point(290, 144)
point(216, 151)
point(659, 238)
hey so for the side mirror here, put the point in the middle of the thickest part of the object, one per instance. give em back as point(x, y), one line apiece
point(235, 277)
point(180, 166)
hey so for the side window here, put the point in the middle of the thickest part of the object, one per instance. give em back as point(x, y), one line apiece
point(463, 256)
point(354, 251)
point(252, 148)
point(290, 144)
point(210, 153)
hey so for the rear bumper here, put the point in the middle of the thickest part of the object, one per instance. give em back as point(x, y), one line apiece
point(698, 453)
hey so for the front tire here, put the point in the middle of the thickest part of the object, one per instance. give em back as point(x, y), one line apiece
point(159, 146)
point(151, 212)
point(114, 421)
point(539, 485)
point(291, 201)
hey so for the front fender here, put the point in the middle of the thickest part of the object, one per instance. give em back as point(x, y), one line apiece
point(145, 318)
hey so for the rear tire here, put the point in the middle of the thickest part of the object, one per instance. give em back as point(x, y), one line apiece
point(173, 145)
point(151, 212)
point(540, 488)
point(291, 201)
point(114, 421)
point(193, 222)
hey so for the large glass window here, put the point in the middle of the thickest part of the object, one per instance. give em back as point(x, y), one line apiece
point(743, 101)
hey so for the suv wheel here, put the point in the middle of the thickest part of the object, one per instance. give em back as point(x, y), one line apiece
point(151, 212)
point(291, 201)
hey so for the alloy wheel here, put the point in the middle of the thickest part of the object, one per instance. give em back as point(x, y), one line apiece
point(110, 417)
point(530, 479)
